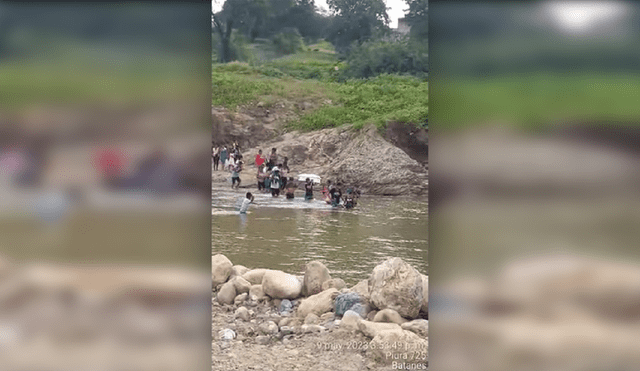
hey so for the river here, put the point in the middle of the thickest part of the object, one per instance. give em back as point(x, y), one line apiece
point(277, 233)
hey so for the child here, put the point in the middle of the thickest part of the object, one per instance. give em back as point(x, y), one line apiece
point(245, 203)
point(326, 192)
point(291, 188)
point(308, 189)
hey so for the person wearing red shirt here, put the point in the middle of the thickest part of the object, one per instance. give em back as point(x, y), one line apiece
point(259, 158)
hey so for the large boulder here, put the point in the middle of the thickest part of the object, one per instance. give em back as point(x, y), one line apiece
point(397, 285)
point(220, 269)
point(318, 304)
point(315, 274)
point(281, 285)
point(255, 276)
point(227, 293)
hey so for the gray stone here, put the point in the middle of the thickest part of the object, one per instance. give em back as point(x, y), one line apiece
point(350, 320)
point(268, 328)
point(344, 302)
point(262, 339)
point(241, 285)
point(255, 276)
point(371, 329)
point(285, 306)
point(240, 299)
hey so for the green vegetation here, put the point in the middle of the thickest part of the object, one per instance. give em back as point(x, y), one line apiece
point(316, 76)
point(536, 100)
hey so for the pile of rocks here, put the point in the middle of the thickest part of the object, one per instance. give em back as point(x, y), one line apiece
point(390, 307)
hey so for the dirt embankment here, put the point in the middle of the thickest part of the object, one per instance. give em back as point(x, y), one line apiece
point(394, 163)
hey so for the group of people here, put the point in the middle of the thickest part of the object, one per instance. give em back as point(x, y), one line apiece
point(273, 177)
point(231, 160)
point(332, 194)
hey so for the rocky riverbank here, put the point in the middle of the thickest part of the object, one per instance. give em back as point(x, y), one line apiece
point(391, 163)
point(265, 319)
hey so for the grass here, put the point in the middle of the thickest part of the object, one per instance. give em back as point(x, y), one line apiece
point(536, 101)
point(315, 76)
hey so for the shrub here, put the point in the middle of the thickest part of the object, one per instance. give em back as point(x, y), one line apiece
point(378, 57)
point(288, 41)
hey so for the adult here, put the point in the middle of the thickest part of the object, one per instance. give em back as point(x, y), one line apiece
point(224, 155)
point(216, 158)
point(259, 159)
point(273, 159)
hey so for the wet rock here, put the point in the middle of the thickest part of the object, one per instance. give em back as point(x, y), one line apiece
point(311, 319)
point(318, 303)
point(241, 285)
point(418, 326)
point(396, 285)
point(268, 328)
point(315, 275)
point(255, 276)
point(390, 316)
point(281, 285)
point(220, 269)
point(344, 302)
point(243, 314)
point(336, 283)
point(371, 329)
point(227, 293)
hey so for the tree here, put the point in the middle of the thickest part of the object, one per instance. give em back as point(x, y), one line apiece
point(356, 21)
point(224, 29)
point(418, 19)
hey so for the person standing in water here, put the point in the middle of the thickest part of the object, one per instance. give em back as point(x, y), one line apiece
point(308, 189)
point(235, 174)
point(260, 176)
point(336, 194)
point(291, 188)
point(275, 182)
point(246, 202)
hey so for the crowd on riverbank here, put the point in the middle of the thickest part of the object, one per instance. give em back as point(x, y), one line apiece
point(275, 177)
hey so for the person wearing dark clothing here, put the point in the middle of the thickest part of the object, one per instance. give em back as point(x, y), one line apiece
point(291, 188)
point(273, 159)
point(308, 189)
point(336, 194)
